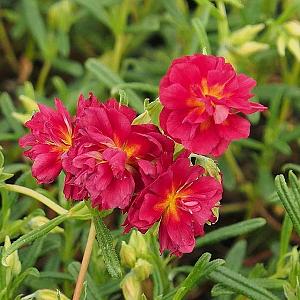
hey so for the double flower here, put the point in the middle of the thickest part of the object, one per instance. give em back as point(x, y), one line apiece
point(131, 167)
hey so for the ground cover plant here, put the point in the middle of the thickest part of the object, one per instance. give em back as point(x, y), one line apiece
point(149, 149)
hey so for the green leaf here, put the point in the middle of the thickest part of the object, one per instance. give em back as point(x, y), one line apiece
point(240, 284)
point(269, 283)
point(235, 256)
point(96, 8)
point(291, 166)
point(178, 17)
point(110, 79)
point(285, 235)
point(236, 3)
point(28, 272)
point(33, 253)
point(202, 36)
point(68, 66)
point(8, 108)
point(220, 290)
point(35, 23)
point(33, 235)
point(55, 275)
point(230, 231)
point(92, 290)
point(202, 268)
point(123, 98)
point(105, 243)
point(288, 198)
point(151, 113)
point(148, 24)
point(4, 176)
point(139, 86)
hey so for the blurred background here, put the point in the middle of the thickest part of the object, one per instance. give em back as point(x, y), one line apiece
point(63, 48)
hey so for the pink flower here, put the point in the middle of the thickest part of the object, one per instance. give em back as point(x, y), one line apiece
point(182, 199)
point(202, 96)
point(110, 158)
point(51, 134)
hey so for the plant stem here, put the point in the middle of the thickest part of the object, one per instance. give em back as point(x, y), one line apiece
point(31, 193)
point(85, 262)
point(223, 28)
point(43, 76)
point(233, 165)
point(7, 47)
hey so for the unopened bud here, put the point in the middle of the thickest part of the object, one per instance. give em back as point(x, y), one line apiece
point(38, 221)
point(12, 261)
point(138, 243)
point(142, 269)
point(281, 44)
point(22, 118)
point(127, 255)
point(131, 287)
point(245, 34)
point(46, 294)
point(294, 47)
point(293, 28)
point(29, 104)
point(250, 48)
point(60, 15)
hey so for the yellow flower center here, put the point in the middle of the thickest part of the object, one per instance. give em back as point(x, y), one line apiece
point(214, 91)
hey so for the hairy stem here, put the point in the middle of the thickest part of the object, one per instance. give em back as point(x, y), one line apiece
point(33, 194)
point(85, 262)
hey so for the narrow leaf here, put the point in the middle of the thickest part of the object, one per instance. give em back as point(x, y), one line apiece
point(32, 235)
point(202, 36)
point(35, 22)
point(8, 108)
point(202, 268)
point(236, 255)
point(96, 8)
point(105, 242)
point(285, 236)
point(92, 290)
point(110, 79)
point(240, 284)
point(288, 200)
point(230, 231)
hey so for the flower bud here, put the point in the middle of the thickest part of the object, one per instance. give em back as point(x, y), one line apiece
point(293, 28)
point(60, 15)
point(281, 44)
point(142, 269)
point(38, 221)
point(245, 34)
point(127, 254)
point(29, 104)
point(22, 118)
point(251, 47)
point(294, 47)
point(138, 243)
point(12, 261)
point(131, 287)
point(46, 294)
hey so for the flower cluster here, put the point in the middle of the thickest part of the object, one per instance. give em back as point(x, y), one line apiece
point(116, 164)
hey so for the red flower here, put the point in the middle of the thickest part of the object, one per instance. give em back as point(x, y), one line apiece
point(50, 137)
point(111, 158)
point(202, 95)
point(182, 199)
